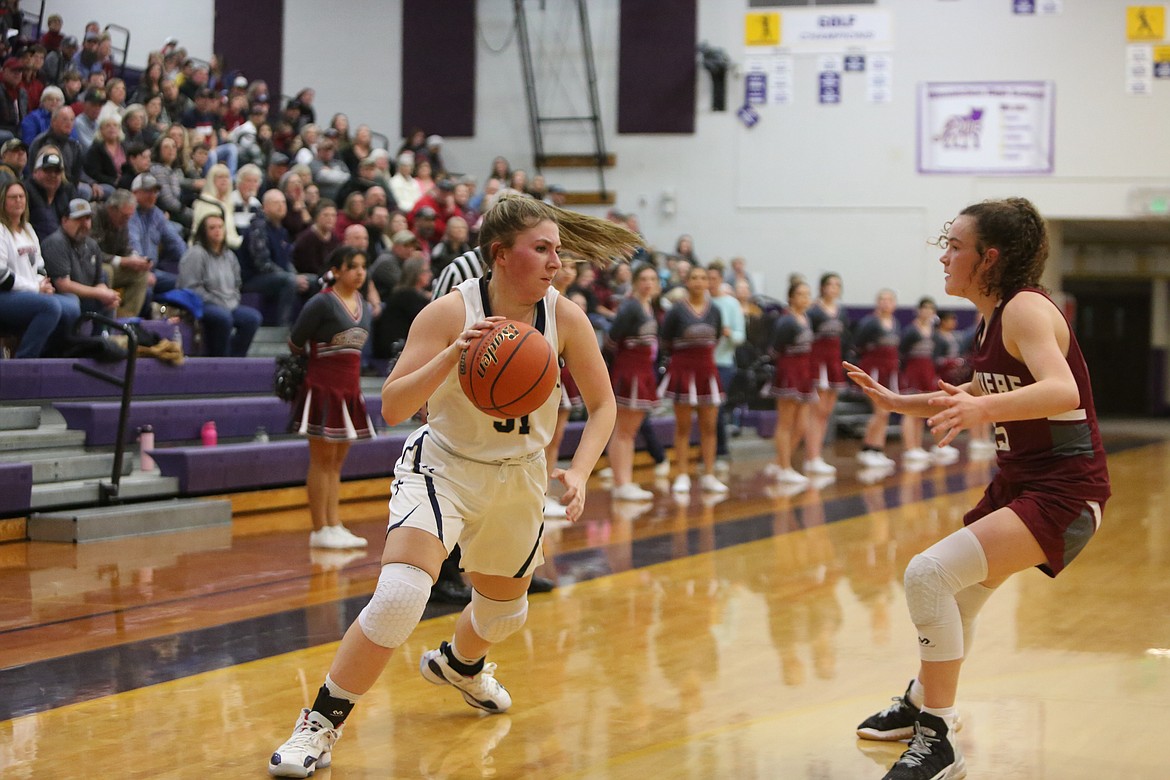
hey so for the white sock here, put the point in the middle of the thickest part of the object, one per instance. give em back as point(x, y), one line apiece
point(459, 656)
point(917, 693)
point(948, 714)
point(337, 692)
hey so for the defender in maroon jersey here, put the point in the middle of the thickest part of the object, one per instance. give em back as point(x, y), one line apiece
point(1043, 505)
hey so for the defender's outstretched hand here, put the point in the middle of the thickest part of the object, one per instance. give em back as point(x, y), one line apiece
point(960, 410)
point(882, 397)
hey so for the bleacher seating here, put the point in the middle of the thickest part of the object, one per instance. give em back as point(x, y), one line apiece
point(35, 380)
point(16, 496)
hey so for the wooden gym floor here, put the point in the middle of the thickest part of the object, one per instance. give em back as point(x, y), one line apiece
point(741, 639)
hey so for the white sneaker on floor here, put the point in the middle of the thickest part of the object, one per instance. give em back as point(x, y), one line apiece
point(662, 469)
point(710, 484)
point(822, 482)
point(554, 508)
point(354, 540)
point(915, 454)
point(873, 459)
point(944, 455)
point(682, 484)
point(722, 466)
point(605, 473)
point(631, 492)
point(327, 538)
point(915, 466)
point(482, 691)
point(308, 749)
point(792, 477)
point(874, 474)
point(818, 467)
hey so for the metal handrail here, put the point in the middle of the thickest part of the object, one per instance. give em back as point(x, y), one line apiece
point(108, 493)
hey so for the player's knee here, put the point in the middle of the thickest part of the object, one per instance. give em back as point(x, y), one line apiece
point(495, 621)
point(397, 604)
point(925, 592)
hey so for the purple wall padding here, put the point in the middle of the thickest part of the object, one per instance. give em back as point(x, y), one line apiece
point(249, 37)
point(438, 67)
point(657, 66)
point(17, 493)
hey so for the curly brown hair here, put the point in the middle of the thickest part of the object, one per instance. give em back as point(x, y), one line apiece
point(596, 240)
point(1015, 228)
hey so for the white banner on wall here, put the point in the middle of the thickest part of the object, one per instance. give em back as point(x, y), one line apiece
point(985, 127)
point(825, 31)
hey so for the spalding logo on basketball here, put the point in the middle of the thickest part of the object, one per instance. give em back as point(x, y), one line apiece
point(509, 371)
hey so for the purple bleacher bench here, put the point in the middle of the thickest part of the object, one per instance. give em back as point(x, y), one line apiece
point(258, 465)
point(16, 493)
point(182, 419)
point(35, 380)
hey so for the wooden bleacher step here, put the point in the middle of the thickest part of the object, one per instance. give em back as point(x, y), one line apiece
point(591, 198)
point(110, 522)
point(574, 161)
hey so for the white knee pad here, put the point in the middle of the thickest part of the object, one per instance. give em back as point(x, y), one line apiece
point(397, 604)
point(932, 579)
point(495, 621)
point(970, 600)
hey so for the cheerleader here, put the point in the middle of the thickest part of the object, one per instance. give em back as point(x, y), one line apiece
point(689, 333)
point(830, 325)
point(633, 340)
point(876, 344)
point(917, 349)
point(792, 387)
point(332, 329)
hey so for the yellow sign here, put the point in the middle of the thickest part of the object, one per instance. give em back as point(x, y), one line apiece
point(1162, 54)
point(762, 29)
point(1145, 23)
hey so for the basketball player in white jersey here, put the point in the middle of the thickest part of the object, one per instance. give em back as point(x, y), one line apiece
point(470, 478)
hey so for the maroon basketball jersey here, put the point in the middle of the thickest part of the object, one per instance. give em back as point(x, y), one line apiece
point(1063, 451)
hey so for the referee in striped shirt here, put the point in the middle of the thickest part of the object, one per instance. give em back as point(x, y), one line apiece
point(468, 265)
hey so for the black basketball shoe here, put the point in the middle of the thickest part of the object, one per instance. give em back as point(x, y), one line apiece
point(892, 724)
point(932, 755)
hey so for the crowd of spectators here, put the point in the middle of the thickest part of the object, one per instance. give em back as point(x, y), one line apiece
point(190, 141)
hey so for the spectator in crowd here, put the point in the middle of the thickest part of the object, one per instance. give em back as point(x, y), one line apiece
point(85, 125)
point(684, 249)
point(60, 135)
point(557, 195)
point(28, 304)
point(739, 271)
point(156, 118)
point(52, 38)
point(329, 173)
point(37, 121)
point(115, 99)
point(153, 236)
point(361, 182)
point(72, 87)
point(387, 269)
point(216, 199)
point(166, 169)
point(33, 59)
point(210, 269)
point(403, 186)
point(480, 201)
point(307, 144)
point(298, 218)
point(353, 212)
point(59, 62)
point(246, 136)
point(454, 243)
point(207, 127)
point(266, 260)
point(416, 144)
point(175, 103)
point(435, 154)
point(104, 158)
point(304, 99)
point(127, 272)
point(519, 181)
point(73, 261)
point(14, 102)
point(13, 161)
point(406, 300)
point(275, 171)
point(378, 224)
point(501, 171)
point(340, 125)
point(137, 162)
point(424, 174)
point(48, 193)
point(135, 128)
point(360, 149)
point(382, 175)
point(245, 199)
point(312, 248)
point(150, 84)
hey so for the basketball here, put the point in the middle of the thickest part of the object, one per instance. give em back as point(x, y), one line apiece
point(509, 371)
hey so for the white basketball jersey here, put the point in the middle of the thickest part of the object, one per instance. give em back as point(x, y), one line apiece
point(460, 428)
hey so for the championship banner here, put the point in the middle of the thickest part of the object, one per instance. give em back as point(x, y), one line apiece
point(986, 127)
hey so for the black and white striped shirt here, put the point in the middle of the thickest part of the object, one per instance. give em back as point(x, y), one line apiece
point(467, 266)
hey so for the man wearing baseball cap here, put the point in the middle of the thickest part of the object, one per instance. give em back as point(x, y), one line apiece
point(73, 261)
point(13, 161)
point(153, 236)
point(48, 193)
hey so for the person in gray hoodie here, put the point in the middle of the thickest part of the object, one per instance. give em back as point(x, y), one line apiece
point(211, 271)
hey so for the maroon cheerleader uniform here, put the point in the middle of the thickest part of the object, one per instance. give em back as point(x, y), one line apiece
point(633, 337)
point(877, 350)
point(792, 341)
point(1052, 471)
point(828, 331)
point(692, 378)
point(917, 353)
point(330, 403)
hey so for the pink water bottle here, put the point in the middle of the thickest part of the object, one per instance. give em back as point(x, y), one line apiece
point(210, 435)
point(145, 442)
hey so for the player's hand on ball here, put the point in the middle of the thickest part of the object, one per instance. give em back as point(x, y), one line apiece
point(475, 331)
